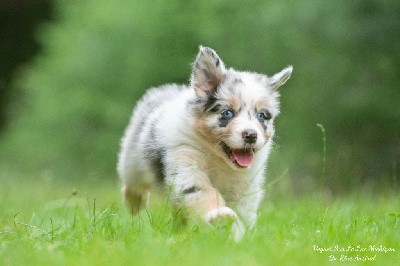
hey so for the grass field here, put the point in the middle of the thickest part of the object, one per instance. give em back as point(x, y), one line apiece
point(49, 222)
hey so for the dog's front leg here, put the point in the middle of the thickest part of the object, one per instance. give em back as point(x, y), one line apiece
point(191, 187)
point(247, 208)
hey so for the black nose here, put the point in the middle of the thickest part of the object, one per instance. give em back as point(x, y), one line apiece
point(249, 136)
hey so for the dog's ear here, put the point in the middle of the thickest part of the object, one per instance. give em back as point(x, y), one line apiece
point(207, 72)
point(280, 78)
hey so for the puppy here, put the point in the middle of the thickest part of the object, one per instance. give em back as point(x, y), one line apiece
point(208, 142)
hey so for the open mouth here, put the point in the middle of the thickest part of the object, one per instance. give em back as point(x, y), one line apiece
point(240, 157)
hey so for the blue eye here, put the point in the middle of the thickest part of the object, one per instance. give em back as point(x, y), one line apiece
point(227, 114)
point(261, 116)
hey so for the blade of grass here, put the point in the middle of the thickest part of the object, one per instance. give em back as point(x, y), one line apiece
point(323, 174)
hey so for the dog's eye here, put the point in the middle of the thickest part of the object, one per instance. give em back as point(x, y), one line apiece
point(227, 114)
point(261, 116)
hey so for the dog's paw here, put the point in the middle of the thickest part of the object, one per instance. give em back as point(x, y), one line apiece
point(134, 201)
point(221, 217)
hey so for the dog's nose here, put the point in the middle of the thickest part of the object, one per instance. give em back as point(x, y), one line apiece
point(249, 136)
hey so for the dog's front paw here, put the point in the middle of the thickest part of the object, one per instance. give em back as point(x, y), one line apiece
point(221, 217)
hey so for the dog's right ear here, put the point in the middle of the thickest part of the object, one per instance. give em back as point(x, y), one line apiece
point(207, 72)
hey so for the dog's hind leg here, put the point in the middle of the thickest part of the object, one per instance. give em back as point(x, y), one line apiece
point(136, 191)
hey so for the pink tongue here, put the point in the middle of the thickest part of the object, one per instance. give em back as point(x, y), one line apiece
point(243, 157)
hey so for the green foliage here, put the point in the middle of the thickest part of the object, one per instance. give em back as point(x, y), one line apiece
point(87, 225)
point(100, 56)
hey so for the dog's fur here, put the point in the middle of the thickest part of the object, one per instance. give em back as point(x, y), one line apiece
point(208, 142)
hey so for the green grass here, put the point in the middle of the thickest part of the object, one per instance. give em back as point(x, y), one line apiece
point(49, 222)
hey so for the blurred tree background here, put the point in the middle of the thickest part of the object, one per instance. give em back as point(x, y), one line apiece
point(18, 20)
point(67, 109)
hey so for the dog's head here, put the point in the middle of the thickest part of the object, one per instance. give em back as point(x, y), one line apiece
point(234, 110)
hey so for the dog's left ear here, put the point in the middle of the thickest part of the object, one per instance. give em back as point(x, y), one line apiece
point(207, 73)
point(280, 78)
